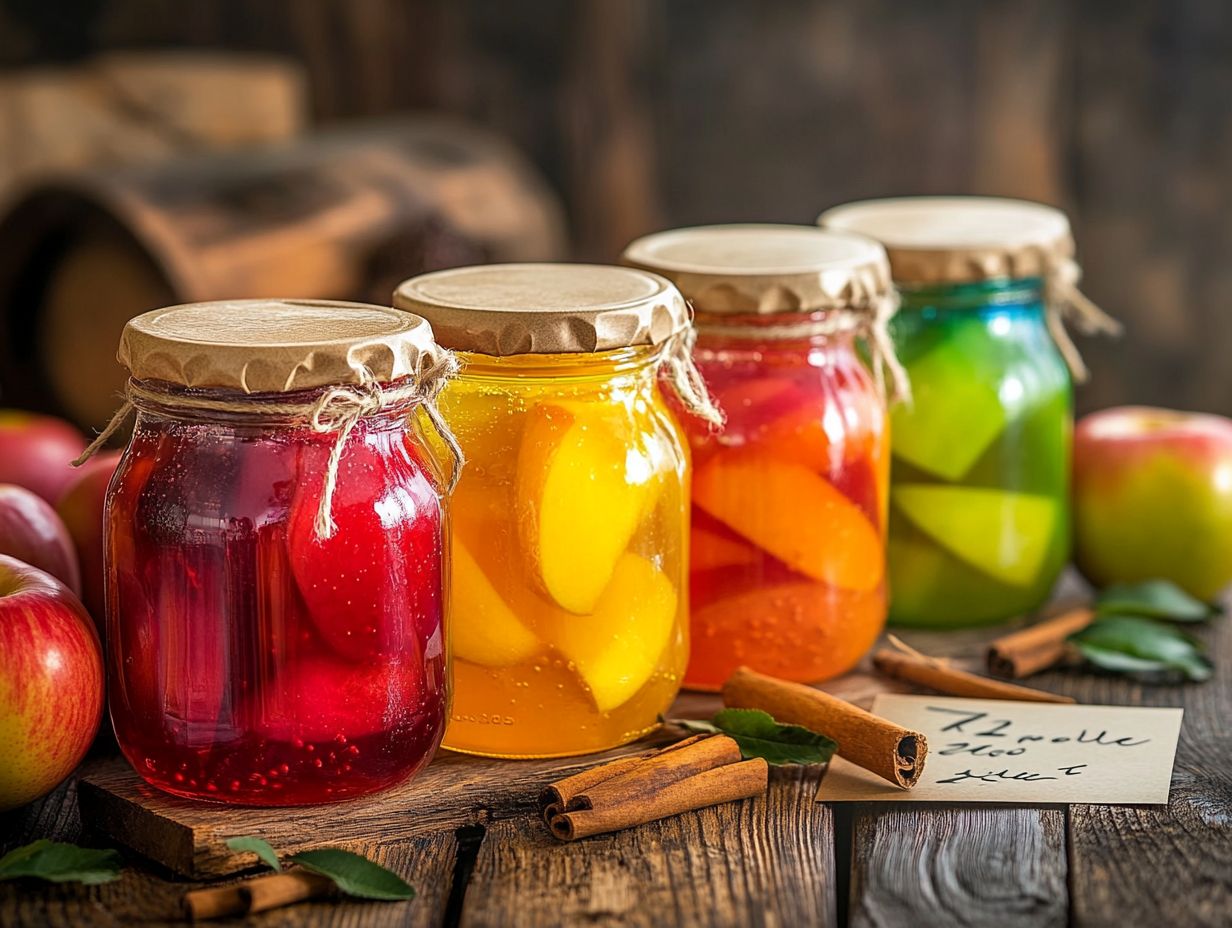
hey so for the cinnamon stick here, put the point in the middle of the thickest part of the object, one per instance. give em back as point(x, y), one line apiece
point(1038, 647)
point(876, 744)
point(726, 783)
point(652, 775)
point(256, 895)
point(935, 675)
point(556, 796)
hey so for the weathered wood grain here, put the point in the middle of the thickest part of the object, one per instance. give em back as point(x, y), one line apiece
point(1148, 865)
point(958, 866)
point(143, 897)
point(765, 861)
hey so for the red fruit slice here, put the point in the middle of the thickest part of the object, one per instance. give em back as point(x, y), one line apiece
point(319, 698)
point(374, 586)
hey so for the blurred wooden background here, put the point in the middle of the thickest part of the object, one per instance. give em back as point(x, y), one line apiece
point(648, 114)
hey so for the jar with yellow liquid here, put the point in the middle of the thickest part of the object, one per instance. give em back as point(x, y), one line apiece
point(569, 616)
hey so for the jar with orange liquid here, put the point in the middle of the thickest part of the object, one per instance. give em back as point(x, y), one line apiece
point(787, 570)
point(569, 615)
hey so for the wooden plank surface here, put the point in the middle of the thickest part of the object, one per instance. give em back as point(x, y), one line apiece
point(958, 866)
point(141, 896)
point(953, 865)
point(764, 861)
point(781, 860)
point(1149, 865)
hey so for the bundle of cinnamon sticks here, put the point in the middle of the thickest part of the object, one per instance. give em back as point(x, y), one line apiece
point(701, 771)
point(706, 770)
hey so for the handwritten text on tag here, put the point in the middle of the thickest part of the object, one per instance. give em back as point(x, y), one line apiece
point(1031, 753)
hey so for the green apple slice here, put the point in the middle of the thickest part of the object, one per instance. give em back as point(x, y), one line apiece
point(956, 411)
point(1005, 535)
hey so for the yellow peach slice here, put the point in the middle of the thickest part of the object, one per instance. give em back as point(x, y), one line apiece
point(617, 648)
point(583, 485)
point(794, 514)
point(483, 629)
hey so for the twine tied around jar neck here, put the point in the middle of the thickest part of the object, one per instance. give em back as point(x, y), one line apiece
point(336, 411)
point(870, 323)
point(687, 380)
point(1064, 301)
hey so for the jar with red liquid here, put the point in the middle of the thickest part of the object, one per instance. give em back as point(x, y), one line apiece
point(787, 561)
point(275, 595)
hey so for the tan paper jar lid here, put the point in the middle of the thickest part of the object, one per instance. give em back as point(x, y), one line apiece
point(511, 309)
point(960, 239)
point(276, 346)
point(766, 269)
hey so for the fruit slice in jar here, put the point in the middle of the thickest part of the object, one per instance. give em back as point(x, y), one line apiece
point(317, 698)
point(484, 630)
point(956, 411)
point(373, 587)
point(712, 545)
point(617, 648)
point(1005, 535)
point(797, 630)
point(794, 514)
point(931, 587)
point(582, 487)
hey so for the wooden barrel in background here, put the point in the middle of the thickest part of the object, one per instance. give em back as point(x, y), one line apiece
point(340, 215)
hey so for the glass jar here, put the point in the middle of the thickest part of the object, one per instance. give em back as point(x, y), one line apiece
point(979, 527)
point(787, 563)
point(569, 613)
point(275, 621)
point(979, 497)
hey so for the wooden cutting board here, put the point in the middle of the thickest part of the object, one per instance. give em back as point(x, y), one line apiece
point(454, 791)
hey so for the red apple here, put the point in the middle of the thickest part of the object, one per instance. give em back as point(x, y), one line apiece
point(81, 508)
point(36, 452)
point(31, 531)
point(1153, 498)
point(51, 682)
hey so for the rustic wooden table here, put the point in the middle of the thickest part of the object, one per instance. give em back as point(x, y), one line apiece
point(469, 841)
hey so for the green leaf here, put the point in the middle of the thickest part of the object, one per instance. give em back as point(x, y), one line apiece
point(61, 863)
point(257, 846)
point(354, 875)
point(1135, 645)
point(1156, 599)
point(759, 735)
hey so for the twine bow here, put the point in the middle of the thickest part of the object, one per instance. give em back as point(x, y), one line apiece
point(686, 379)
point(336, 411)
point(1065, 301)
point(876, 331)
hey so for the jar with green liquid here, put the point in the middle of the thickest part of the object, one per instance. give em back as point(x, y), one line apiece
point(979, 484)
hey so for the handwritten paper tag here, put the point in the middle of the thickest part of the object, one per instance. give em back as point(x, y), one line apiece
point(991, 750)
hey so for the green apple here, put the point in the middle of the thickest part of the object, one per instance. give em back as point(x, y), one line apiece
point(1153, 498)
